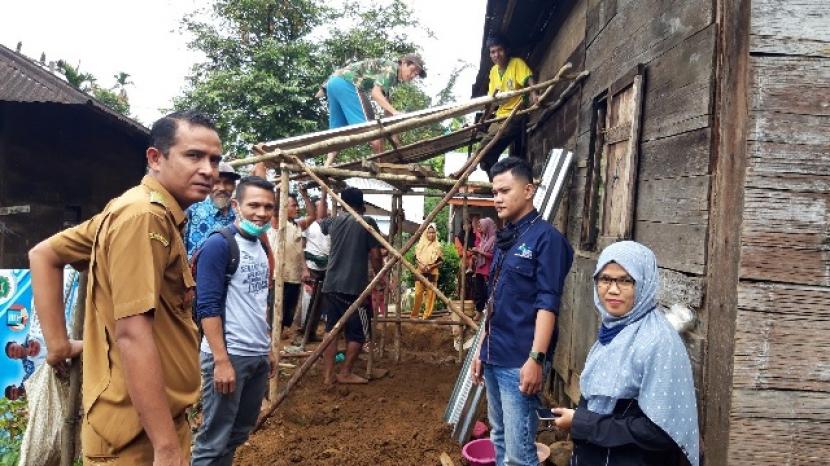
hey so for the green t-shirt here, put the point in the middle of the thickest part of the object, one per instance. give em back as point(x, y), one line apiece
point(366, 74)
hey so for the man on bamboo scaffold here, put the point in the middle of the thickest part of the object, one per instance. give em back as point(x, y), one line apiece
point(349, 89)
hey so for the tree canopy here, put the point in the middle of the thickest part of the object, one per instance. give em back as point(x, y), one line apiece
point(265, 60)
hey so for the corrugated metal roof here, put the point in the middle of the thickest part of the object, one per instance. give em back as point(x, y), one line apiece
point(23, 80)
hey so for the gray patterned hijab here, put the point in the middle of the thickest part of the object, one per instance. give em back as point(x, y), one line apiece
point(647, 360)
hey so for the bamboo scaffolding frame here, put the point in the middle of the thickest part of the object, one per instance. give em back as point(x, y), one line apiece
point(335, 143)
point(383, 242)
point(338, 326)
point(466, 170)
point(412, 180)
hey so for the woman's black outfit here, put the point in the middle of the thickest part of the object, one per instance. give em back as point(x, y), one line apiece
point(626, 437)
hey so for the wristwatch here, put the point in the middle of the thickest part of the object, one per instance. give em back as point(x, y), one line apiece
point(538, 356)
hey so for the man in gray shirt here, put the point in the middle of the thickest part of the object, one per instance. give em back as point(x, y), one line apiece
point(352, 247)
point(233, 272)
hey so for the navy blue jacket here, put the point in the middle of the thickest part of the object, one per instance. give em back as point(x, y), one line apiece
point(531, 279)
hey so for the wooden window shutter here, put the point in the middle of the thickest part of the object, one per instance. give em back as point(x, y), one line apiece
point(611, 190)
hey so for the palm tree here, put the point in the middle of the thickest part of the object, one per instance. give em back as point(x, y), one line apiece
point(122, 80)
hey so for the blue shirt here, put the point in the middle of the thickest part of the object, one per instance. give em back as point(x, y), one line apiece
point(532, 277)
point(203, 218)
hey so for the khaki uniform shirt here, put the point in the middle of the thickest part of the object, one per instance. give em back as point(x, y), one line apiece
point(137, 264)
point(294, 254)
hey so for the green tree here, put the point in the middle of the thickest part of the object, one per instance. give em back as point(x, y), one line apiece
point(88, 83)
point(265, 60)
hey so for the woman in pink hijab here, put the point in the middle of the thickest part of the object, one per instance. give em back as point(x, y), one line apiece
point(484, 257)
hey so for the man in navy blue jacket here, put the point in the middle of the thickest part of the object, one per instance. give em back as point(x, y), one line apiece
point(236, 355)
point(528, 274)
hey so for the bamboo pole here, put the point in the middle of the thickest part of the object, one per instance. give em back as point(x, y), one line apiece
point(336, 143)
point(465, 217)
point(279, 281)
point(338, 326)
point(383, 242)
point(556, 104)
point(399, 219)
point(421, 322)
point(73, 404)
point(412, 180)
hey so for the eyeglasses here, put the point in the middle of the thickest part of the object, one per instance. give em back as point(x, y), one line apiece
point(623, 283)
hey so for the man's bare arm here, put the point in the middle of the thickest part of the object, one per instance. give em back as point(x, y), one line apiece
point(145, 382)
point(377, 96)
point(47, 288)
point(311, 213)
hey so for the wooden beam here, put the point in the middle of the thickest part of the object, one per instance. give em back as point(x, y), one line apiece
point(411, 180)
point(729, 160)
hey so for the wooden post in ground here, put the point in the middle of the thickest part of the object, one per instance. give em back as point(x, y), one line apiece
point(390, 293)
point(70, 415)
point(279, 283)
point(397, 204)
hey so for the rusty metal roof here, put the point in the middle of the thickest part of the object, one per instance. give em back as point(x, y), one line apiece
point(23, 80)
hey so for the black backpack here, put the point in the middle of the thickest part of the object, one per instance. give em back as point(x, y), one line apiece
point(228, 233)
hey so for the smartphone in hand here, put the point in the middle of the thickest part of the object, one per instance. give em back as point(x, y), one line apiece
point(545, 414)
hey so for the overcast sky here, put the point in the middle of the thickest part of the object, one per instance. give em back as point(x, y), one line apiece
point(143, 39)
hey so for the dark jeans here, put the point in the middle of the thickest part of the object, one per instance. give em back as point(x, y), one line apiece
point(312, 319)
point(227, 420)
point(512, 133)
point(480, 291)
point(290, 295)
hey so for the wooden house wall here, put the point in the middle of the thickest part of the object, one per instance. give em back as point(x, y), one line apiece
point(674, 40)
point(780, 404)
point(63, 161)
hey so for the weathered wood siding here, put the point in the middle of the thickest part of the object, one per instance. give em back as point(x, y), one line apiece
point(49, 156)
point(780, 410)
point(674, 40)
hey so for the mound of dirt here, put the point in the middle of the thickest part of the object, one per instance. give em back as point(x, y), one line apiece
point(396, 420)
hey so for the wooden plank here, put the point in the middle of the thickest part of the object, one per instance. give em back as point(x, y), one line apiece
point(683, 200)
point(678, 247)
point(791, 84)
point(772, 442)
point(789, 128)
point(585, 318)
point(679, 87)
point(784, 351)
point(781, 405)
point(784, 237)
point(639, 32)
point(808, 301)
point(599, 14)
point(685, 154)
point(797, 167)
point(792, 27)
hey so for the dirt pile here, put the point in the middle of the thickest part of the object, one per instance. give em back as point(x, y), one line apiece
point(396, 420)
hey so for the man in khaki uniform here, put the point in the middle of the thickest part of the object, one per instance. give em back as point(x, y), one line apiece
point(141, 367)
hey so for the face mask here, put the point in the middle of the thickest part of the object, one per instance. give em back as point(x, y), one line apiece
point(252, 229)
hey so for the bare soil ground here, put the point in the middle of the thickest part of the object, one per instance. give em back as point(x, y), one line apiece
point(396, 420)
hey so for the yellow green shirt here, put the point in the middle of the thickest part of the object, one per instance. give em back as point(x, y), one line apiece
point(515, 76)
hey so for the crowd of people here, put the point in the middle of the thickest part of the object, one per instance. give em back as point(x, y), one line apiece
point(180, 279)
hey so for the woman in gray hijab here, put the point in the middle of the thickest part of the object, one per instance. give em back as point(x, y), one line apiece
point(638, 399)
